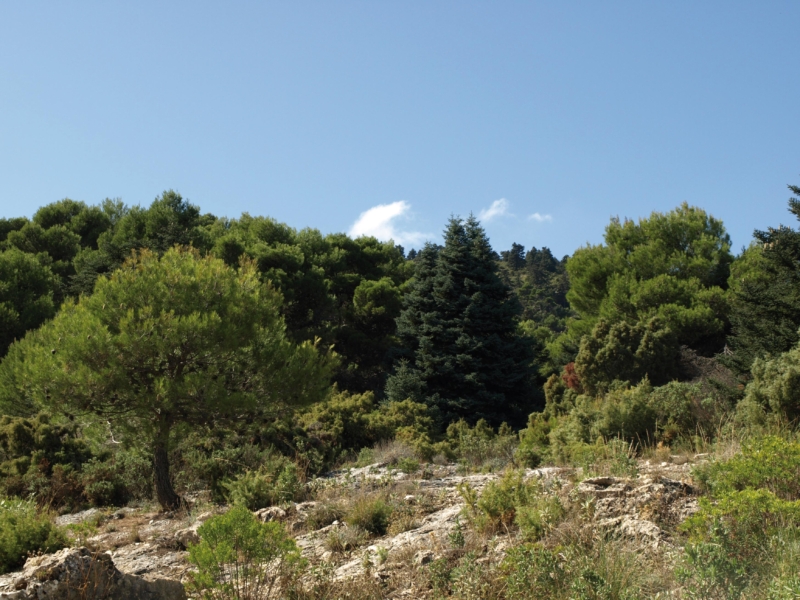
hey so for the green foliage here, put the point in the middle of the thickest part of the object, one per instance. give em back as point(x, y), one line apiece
point(765, 299)
point(176, 339)
point(239, 558)
point(733, 542)
point(346, 422)
point(540, 282)
point(458, 331)
point(770, 463)
point(511, 501)
point(24, 531)
point(774, 388)
point(665, 276)
point(276, 482)
point(626, 352)
point(479, 447)
point(28, 290)
point(370, 513)
point(606, 571)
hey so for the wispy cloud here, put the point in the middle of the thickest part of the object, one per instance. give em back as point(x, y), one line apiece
point(539, 218)
point(380, 222)
point(497, 209)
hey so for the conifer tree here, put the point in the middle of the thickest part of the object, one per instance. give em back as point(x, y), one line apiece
point(458, 329)
point(765, 286)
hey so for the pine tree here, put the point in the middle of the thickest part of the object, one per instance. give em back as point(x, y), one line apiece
point(458, 329)
point(765, 314)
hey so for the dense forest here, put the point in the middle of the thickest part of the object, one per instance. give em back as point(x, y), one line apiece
point(151, 352)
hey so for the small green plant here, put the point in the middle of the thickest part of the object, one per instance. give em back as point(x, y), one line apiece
point(383, 554)
point(511, 501)
point(324, 513)
point(24, 531)
point(370, 513)
point(240, 558)
point(456, 535)
point(366, 456)
point(408, 465)
point(265, 487)
point(531, 571)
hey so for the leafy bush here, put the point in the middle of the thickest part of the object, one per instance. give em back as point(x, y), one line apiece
point(603, 570)
point(23, 531)
point(531, 571)
point(239, 558)
point(347, 422)
point(480, 447)
point(511, 501)
point(277, 481)
point(737, 543)
point(770, 463)
point(371, 513)
point(775, 388)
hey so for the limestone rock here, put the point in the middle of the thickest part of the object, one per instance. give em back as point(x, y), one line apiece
point(273, 513)
point(78, 574)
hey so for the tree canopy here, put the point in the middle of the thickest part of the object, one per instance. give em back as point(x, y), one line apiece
point(765, 285)
point(165, 341)
point(462, 353)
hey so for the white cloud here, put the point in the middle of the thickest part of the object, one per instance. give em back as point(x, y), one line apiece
point(497, 209)
point(540, 218)
point(379, 222)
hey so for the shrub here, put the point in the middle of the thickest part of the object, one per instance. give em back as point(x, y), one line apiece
point(511, 501)
point(479, 446)
point(324, 513)
point(775, 387)
point(344, 539)
point(531, 571)
point(627, 414)
point(369, 513)
point(347, 422)
point(534, 441)
point(277, 481)
point(729, 542)
point(240, 558)
point(770, 463)
point(23, 530)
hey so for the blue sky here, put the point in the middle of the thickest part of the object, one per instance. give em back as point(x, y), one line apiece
point(387, 117)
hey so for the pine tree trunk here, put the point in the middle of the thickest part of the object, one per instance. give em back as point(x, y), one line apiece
point(166, 495)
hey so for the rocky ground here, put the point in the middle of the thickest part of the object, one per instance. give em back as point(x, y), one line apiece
point(144, 544)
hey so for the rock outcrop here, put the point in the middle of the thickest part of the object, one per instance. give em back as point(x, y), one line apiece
point(79, 574)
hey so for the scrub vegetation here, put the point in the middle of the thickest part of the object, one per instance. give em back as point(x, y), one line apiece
point(149, 354)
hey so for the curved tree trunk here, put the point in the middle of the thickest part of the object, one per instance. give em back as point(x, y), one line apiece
point(166, 495)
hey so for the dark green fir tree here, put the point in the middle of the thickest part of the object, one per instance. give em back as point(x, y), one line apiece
point(461, 351)
point(765, 285)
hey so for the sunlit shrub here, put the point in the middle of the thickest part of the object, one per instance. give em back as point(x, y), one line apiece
point(275, 482)
point(23, 531)
point(240, 558)
point(770, 463)
point(371, 513)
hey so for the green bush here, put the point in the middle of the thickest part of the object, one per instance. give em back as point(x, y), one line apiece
point(370, 513)
point(511, 501)
point(736, 543)
point(275, 482)
point(775, 388)
point(347, 422)
point(23, 531)
point(240, 558)
point(480, 447)
point(770, 463)
point(531, 571)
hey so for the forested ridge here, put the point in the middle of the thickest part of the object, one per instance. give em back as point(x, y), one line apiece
point(150, 352)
